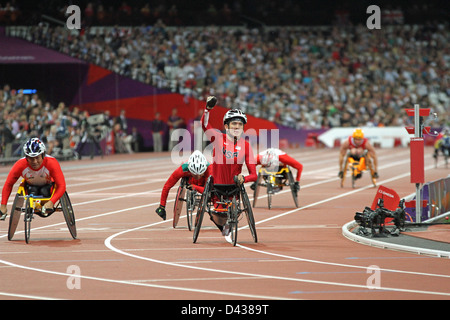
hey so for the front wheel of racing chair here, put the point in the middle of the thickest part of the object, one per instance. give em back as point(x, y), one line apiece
point(233, 220)
point(28, 217)
point(203, 205)
point(190, 205)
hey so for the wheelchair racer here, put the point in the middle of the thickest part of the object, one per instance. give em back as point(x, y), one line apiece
point(41, 172)
point(358, 147)
point(230, 151)
point(442, 143)
point(197, 169)
point(276, 158)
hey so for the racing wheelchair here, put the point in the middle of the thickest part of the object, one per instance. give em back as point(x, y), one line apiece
point(445, 150)
point(30, 204)
point(225, 204)
point(192, 199)
point(356, 167)
point(275, 181)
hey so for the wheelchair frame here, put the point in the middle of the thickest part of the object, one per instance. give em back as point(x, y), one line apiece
point(268, 179)
point(352, 165)
point(32, 206)
point(192, 199)
point(236, 200)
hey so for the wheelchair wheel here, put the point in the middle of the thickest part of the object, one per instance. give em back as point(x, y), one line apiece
point(374, 180)
point(190, 206)
point(257, 186)
point(69, 216)
point(344, 171)
point(201, 209)
point(292, 186)
point(269, 195)
point(14, 218)
point(180, 198)
point(446, 153)
point(354, 173)
point(249, 214)
point(27, 219)
point(233, 221)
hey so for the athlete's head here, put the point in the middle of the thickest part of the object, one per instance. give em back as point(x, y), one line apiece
point(34, 150)
point(358, 134)
point(234, 121)
point(197, 163)
point(446, 132)
point(270, 158)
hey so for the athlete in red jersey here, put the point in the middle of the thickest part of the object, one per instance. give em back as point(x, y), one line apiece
point(273, 157)
point(197, 169)
point(230, 150)
point(40, 173)
point(358, 147)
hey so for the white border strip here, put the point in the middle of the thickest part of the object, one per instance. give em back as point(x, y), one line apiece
point(384, 245)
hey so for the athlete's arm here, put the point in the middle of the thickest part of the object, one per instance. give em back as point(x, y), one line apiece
point(373, 155)
point(14, 174)
point(250, 161)
point(286, 159)
point(342, 153)
point(58, 177)
point(173, 179)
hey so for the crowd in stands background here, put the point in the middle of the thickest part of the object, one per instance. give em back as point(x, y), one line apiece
point(302, 77)
point(311, 78)
point(23, 116)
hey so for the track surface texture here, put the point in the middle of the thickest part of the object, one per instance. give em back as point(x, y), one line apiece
point(125, 251)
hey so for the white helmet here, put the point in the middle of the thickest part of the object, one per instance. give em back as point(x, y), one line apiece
point(197, 163)
point(270, 158)
point(33, 147)
point(234, 113)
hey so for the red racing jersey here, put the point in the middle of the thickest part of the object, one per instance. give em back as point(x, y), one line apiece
point(50, 171)
point(181, 172)
point(228, 156)
point(352, 145)
point(284, 159)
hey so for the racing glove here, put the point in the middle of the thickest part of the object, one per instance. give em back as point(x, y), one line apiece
point(3, 212)
point(297, 186)
point(161, 211)
point(211, 102)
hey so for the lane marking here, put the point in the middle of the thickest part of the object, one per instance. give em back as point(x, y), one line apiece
point(27, 296)
point(215, 270)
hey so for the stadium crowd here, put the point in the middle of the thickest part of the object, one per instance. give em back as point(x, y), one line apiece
point(64, 131)
point(301, 77)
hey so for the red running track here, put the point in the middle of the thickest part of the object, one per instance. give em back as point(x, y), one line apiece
point(125, 251)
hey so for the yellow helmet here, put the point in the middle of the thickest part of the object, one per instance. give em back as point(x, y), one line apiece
point(358, 134)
